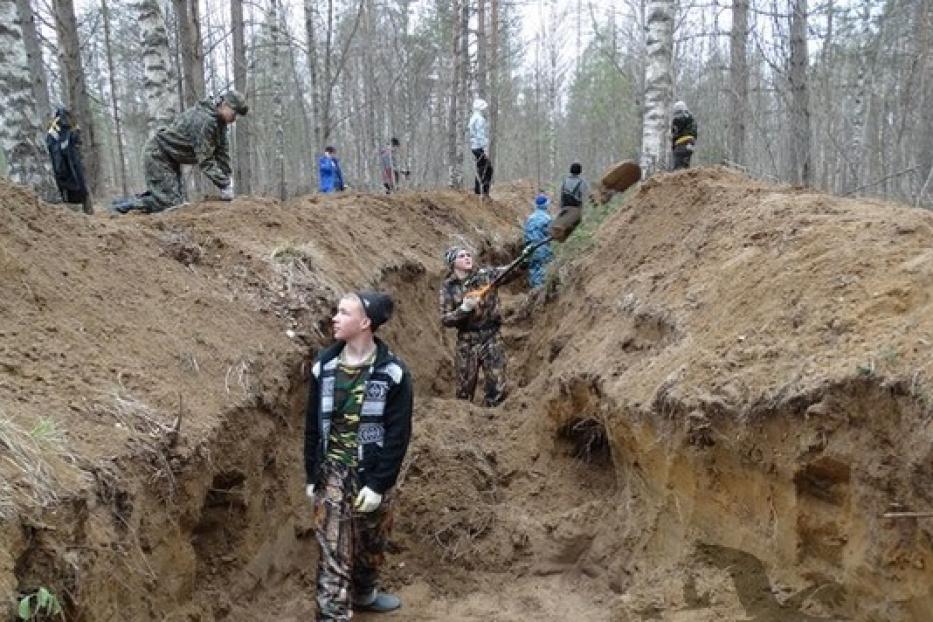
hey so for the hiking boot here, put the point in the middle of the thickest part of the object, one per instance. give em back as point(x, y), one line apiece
point(376, 601)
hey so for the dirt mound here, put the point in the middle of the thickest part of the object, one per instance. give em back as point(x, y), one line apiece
point(151, 398)
point(713, 404)
point(760, 358)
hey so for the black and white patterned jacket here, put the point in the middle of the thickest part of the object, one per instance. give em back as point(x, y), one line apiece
point(385, 418)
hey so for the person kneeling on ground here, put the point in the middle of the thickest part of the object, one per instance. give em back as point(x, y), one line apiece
point(537, 228)
point(357, 430)
point(477, 320)
point(196, 136)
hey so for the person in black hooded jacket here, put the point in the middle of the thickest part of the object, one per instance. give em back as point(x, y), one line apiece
point(357, 430)
point(683, 135)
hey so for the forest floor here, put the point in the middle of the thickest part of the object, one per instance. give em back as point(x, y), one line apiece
point(723, 388)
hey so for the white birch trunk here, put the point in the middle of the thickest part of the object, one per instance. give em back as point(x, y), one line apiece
point(158, 85)
point(27, 160)
point(655, 143)
point(40, 85)
point(860, 103)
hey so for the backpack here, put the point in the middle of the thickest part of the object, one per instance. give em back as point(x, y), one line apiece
point(571, 198)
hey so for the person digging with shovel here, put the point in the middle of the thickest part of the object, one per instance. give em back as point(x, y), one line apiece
point(357, 430)
point(469, 302)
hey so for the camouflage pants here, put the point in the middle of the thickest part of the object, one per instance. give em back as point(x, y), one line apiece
point(537, 269)
point(352, 544)
point(484, 349)
point(163, 179)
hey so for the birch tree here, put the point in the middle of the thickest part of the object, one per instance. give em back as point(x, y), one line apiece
point(160, 100)
point(659, 43)
point(27, 161)
point(454, 118)
point(40, 85)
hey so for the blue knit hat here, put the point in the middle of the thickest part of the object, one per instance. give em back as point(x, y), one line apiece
point(542, 201)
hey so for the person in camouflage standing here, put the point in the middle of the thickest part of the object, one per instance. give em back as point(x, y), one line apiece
point(357, 430)
point(477, 321)
point(196, 136)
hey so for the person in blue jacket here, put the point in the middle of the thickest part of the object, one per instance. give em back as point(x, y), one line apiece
point(329, 173)
point(536, 230)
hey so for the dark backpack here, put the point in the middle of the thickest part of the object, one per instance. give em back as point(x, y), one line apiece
point(571, 198)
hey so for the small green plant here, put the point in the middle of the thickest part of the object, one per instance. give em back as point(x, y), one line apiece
point(46, 430)
point(888, 355)
point(594, 215)
point(289, 251)
point(40, 605)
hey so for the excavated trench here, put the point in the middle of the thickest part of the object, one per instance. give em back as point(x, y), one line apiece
point(617, 482)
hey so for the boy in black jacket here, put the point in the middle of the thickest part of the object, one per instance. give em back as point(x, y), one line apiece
point(357, 429)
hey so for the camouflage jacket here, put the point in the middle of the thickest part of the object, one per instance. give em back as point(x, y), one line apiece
point(487, 315)
point(197, 136)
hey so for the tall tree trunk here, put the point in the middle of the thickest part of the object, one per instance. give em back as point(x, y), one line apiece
point(117, 121)
point(466, 77)
point(157, 82)
point(328, 77)
point(306, 159)
point(313, 65)
point(277, 105)
point(27, 160)
point(482, 69)
point(655, 137)
point(494, 73)
point(826, 146)
point(189, 41)
point(855, 147)
point(454, 124)
point(371, 100)
point(924, 146)
point(800, 159)
point(739, 77)
point(78, 98)
point(40, 85)
point(243, 170)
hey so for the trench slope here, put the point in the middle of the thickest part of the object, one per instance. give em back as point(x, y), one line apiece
point(713, 404)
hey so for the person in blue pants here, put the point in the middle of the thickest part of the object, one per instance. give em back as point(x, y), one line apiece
point(329, 173)
point(536, 230)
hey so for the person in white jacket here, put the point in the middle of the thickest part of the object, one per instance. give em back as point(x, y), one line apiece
point(479, 144)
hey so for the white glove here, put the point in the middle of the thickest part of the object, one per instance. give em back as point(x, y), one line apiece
point(309, 491)
point(227, 193)
point(469, 304)
point(367, 500)
point(690, 147)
